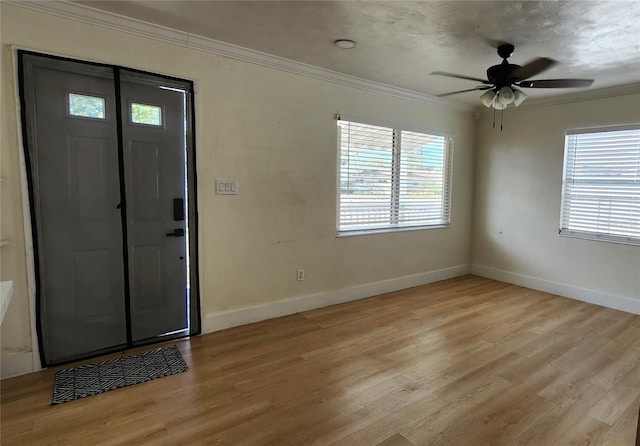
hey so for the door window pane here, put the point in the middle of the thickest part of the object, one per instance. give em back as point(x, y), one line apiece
point(86, 106)
point(146, 114)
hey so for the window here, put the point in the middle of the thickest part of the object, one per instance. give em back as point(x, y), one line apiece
point(601, 185)
point(146, 114)
point(392, 179)
point(86, 106)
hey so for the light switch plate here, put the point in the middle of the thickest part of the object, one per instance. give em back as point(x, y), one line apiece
point(226, 187)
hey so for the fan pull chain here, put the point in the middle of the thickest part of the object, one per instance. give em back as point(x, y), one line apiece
point(494, 117)
point(501, 118)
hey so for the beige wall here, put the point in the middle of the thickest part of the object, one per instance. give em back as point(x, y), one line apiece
point(272, 131)
point(16, 326)
point(517, 204)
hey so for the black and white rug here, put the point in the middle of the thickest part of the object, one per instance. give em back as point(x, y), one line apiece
point(87, 380)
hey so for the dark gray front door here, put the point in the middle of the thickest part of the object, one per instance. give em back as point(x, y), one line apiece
point(76, 187)
point(154, 154)
point(106, 150)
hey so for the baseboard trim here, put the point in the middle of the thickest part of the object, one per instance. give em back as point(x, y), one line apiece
point(17, 364)
point(561, 289)
point(243, 316)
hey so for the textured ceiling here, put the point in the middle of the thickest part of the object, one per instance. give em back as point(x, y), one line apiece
point(399, 42)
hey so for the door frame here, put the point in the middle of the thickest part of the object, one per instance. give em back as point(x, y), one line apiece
point(30, 227)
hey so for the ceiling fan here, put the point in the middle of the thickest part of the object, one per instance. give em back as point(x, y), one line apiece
point(503, 77)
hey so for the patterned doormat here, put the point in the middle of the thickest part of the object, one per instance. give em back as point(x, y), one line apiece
point(87, 380)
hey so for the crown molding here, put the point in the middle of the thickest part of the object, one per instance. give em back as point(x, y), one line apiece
point(104, 19)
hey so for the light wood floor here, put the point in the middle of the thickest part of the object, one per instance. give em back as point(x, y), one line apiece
point(462, 362)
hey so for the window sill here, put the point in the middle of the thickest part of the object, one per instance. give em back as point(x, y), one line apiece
point(600, 237)
point(360, 232)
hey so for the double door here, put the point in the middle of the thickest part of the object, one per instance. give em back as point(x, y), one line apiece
point(110, 167)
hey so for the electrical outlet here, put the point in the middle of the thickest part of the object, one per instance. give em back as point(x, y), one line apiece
point(300, 275)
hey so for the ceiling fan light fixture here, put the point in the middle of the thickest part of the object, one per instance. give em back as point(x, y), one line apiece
point(505, 96)
point(519, 97)
point(502, 77)
point(488, 98)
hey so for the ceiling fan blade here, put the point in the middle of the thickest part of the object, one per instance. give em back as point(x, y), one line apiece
point(460, 76)
point(556, 83)
point(533, 67)
point(480, 87)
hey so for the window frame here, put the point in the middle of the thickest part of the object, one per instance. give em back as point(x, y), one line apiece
point(566, 229)
point(395, 200)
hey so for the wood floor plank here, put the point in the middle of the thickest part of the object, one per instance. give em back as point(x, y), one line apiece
point(395, 440)
point(562, 417)
point(467, 361)
point(622, 432)
point(613, 404)
point(587, 431)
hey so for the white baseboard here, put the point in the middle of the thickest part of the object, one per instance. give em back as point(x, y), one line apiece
point(17, 364)
point(234, 318)
point(561, 289)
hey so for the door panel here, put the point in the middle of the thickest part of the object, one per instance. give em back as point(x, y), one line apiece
point(146, 279)
point(91, 280)
point(88, 163)
point(155, 175)
point(76, 193)
point(144, 160)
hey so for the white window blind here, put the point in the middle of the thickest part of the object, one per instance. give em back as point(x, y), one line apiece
point(601, 185)
point(392, 179)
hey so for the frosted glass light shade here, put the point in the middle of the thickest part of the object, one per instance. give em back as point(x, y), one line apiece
point(505, 96)
point(488, 98)
point(499, 105)
point(519, 97)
